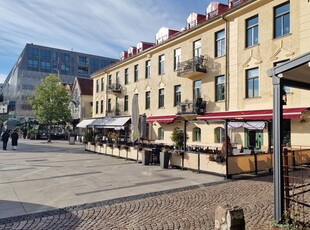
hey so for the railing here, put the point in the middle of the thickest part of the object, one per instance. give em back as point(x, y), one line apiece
point(190, 107)
point(296, 177)
point(114, 88)
point(192, 66)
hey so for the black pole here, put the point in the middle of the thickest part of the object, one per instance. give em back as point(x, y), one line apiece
point(226, 148)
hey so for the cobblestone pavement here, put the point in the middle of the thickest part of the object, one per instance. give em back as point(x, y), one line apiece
point(183, 208)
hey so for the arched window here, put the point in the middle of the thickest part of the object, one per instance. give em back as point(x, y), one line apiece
point(218, 134)
point(197, 134)
point(161, 133)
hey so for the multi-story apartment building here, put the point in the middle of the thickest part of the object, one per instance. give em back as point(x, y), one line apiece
point(34, 63)
point(215, 69)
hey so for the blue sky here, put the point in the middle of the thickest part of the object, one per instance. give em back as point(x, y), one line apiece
point(100, 27)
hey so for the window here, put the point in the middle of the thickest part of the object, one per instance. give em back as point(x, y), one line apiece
point(220, 43)
point(109, 105)
point(33, 64)
point(281, 20)
point(197, 134)
point(110, 79)
point(252, 83)
point(161, 64)
point(218, 134)
point(136, 73)
point(177, 58)
point(147, 69)
point(219, 88)
point(83, 61)
point(45, 66)
point(97, 85)
point(101, 106)
point(46, 54)
point(33, 53)
point(126, 103)
point(81, 70)
point(177, 95)
point(196, 90)
point(147, 100)
point(117, 78)
point(251, 31)
point(102, 84)
point(97, 106)
point(161, 133)
point(197, 49)
point(161, 98)
point(126, 76)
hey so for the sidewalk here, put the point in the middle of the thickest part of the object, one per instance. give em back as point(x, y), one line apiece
point(42, 176)
point(61, 186)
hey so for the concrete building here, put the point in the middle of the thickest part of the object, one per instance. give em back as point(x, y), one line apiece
point(214, 70)
point(34, 63)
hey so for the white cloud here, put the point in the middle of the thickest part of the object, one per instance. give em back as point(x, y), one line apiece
point(92, 26)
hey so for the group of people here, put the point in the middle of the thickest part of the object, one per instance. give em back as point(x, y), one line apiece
point(6, 135)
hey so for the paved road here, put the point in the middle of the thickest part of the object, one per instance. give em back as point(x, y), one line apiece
point(61, 186)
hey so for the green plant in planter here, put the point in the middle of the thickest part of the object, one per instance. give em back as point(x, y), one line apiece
point(178, 137)
point(89, 136)
point(112, 136)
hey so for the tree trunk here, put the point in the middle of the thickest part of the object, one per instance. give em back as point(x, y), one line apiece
point(49, 132)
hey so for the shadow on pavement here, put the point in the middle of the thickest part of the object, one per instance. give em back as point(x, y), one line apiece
point(11, 212)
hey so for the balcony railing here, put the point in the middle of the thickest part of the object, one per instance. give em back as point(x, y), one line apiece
point(190, 107)
point(192, 67)
point(115, 88)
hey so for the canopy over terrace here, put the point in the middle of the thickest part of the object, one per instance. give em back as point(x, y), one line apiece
point(84, 123)
point(293, 73)
point(99, 122)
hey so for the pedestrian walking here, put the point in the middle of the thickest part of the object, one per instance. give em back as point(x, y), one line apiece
point(14, 137)
point(5, 138)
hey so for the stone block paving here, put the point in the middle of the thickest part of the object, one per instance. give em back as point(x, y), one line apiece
point(182, 208)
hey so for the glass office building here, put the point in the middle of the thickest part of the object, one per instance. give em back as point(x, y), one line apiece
point(36, 62)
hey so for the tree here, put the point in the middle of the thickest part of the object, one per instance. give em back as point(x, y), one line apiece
point(178, 137)
point(50, 102)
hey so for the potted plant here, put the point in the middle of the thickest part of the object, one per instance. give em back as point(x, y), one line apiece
point(178, 137)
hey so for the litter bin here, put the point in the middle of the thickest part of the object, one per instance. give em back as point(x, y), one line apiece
point(146, 157)
point(71, 139)
point(164, 159)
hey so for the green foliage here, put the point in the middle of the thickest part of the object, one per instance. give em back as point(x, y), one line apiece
point(178, 137)
point(89, 136)
point(50, 102)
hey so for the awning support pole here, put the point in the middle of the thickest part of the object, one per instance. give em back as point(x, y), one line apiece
point(277, 148)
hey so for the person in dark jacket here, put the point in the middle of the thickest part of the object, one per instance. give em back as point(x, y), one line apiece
point(5, 138)
point(14, 137)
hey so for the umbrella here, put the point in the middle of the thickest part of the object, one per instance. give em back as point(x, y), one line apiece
point(143, 127)
point(135, 133)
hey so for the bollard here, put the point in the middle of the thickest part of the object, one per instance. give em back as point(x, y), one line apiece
point(229, 218)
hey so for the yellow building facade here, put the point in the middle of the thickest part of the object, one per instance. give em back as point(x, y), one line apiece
point(213, 70)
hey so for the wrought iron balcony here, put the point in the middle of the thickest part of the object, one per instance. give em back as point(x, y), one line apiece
point(189, 107)
point(192, 67)
point(115, 88)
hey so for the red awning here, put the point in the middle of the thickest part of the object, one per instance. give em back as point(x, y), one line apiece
point(265, 114)
point(161, 119)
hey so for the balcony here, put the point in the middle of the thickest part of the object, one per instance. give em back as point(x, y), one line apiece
point(192, 67)
point(114, 88)
point(189, 107)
